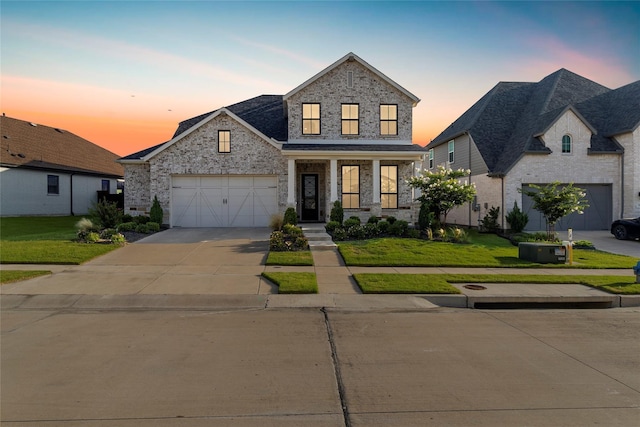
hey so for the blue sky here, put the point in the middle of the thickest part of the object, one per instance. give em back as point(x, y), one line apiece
point(123, 74)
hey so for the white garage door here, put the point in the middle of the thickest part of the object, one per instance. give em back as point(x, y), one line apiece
point(223, 201)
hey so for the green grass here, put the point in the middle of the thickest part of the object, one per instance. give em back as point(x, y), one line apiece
point(45, 240)
point(9, 276)
point(440, 283)
point(482, 251)
point(290, 258)
point(293, 283)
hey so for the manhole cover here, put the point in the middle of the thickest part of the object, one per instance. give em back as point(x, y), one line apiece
point(475, 287)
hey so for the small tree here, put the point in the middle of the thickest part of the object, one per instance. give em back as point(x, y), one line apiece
point(443, 190)
point(105, 213)
point(517, 219)
point(555, 203)
point(156, 214)
point(290, 216)
point(337, 212)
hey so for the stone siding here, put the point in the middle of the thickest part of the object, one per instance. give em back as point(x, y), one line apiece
point(137, 180)
point(369, 91)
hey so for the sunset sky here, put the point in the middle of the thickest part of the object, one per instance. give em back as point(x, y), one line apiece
point(122, 74)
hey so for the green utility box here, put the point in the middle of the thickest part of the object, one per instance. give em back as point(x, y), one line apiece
point(542, 253)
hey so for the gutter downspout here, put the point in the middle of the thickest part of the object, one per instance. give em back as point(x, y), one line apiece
point(622, 185)
point(71, 193)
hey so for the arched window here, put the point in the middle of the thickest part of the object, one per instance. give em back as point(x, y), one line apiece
point(566, 145)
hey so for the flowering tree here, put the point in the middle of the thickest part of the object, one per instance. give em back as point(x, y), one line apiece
point(443, 190)
point(555, 203)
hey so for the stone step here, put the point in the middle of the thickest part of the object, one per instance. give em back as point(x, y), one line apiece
point(317, 236)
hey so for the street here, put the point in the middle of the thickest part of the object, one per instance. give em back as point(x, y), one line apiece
point(225, 366)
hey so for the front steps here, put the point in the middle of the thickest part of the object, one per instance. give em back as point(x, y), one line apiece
point(317, 236)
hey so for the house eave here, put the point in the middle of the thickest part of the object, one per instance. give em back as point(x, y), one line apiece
point(353, 155)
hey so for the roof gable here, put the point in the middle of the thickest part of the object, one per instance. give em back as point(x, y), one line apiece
point(146, 155)
point(26, 144)
point(353, 57)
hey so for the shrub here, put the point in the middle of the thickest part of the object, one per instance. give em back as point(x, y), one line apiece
point(107, 233)
point(383, 227)
point(300, 244)
point(337, 213)
point(339, 234)
point(458, 235)
point(85, 225)
point(279, 241)
point(276, 242)
point(276, 222)
point(517, 219)
point(141, 219)
point(351, 221)
point(355, 232)
point(373, 219)
point(156, 214)
point(152, 227)
point(490, 221)
point(331, 226)
point(92, 237)
point(141, 228)
point(126, 226)
point(425, 217)
point(371, 230)
point(429, 234)
point(105, 213)
point(126, 218)
point(583, 244)
point(118, 239)
point(292, 230)
point(441, 234)
point(290, 216)
point(391, 219)
point(398, 228)
point(412, 233)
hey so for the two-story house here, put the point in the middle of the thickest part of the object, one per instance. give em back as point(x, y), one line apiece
point(564, 128)
point(345, 134)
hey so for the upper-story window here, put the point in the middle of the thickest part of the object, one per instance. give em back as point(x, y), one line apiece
point(224, 141)
point(350, 119)
point(431, 158)
point(310, 119)
point(452, 146)
point(388, 119)
point(567, 147)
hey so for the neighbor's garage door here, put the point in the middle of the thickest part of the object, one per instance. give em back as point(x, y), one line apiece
point(223, 201)
point(596, 217)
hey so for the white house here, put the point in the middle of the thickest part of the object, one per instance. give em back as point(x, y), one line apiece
point(564, 128)
point(345, 134)
point(51, 171)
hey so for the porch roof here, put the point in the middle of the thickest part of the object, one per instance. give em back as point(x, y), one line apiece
point(355, 151)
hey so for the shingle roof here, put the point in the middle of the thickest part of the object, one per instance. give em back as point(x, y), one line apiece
point(140, 154)
point(506, 122)
point(30, 145)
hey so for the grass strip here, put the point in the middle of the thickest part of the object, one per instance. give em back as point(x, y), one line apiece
point(293, 283)
point(482, 252)
point(425, 283)
point(290, 258)
point(10, 276)
point(50, 252)
point(38, 228)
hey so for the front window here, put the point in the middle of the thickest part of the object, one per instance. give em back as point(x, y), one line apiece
point(388, 119)
point(451, 151)
point(311, 119)
point(350, 119)
point(224, 141)
point(389, 187)
point(566, 144)
point(350, 187)
point(431, 158)
point(53, 184)
point(106, 185)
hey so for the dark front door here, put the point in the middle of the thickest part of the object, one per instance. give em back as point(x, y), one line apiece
point(309, 198)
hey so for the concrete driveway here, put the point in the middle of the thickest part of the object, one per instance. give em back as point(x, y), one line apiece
point(603, 240)
point(176, 261)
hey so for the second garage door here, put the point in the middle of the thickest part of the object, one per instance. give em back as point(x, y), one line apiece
point(223, 201)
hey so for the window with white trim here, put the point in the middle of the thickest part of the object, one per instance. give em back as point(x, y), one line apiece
point(452, 146)
point(431, 158)
point(351, 187)
point(53, 184)
point(389, 187)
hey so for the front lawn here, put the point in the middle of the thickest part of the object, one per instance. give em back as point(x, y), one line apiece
point(293, 283)
point(45, 240)
point(441, 283)
point(290, 258)
point(484, 250)
point(9, 276)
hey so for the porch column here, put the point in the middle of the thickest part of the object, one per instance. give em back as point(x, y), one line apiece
point(417, 171)
point(376, 182)
point(291, 183)
point(334, 180)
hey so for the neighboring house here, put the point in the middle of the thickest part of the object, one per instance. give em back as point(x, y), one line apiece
point(50, 171)
point(564, 128)
point(344, 134)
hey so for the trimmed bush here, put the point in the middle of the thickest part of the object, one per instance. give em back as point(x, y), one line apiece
point(276, 242)
point(355, 232)
point(391, 219)
point(292, 230)
point(373, 219)
point(351, 221)
point(337, 213)
point(290, 217)
point(399, 228)
point(425, 217)
point(141, 228)
point(339, 234)
point(412, 233)
point(383, 227)
point(331, 226)
point(126, 226)
point(127, 218)
point(118, 239)
point(152, 227)
point(371, 230)
point(156, 214)
point(141, 219)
